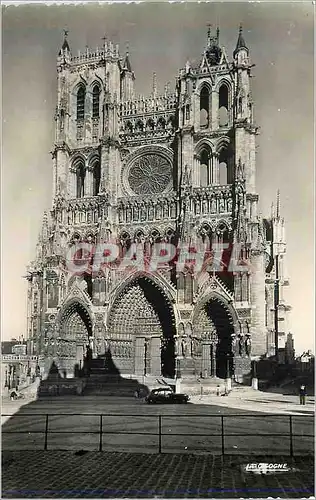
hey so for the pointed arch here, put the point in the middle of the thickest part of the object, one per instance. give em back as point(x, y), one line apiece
point(204, 143)
point(204, 158)
point(75, 307)
point(215, 315)
point(140, 308)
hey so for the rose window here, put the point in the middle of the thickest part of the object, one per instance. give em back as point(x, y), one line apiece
point(150, 174)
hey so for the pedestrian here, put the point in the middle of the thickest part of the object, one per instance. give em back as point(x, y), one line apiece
point(217, 390)
point(302, 394)
point(201, 395)
point(136, 394)
point(13, 395)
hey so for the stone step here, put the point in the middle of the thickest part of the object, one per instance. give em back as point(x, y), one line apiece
point(115, 385)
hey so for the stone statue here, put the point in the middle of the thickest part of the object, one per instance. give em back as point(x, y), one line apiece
point(241, 344)
point(178, 346)
point(194, 346)
point(234, 343)
point(184, 347)
point(213, 206)
point(248, 344)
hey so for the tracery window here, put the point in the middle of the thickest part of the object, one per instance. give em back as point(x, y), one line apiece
point(81, 97)
point(150, 174)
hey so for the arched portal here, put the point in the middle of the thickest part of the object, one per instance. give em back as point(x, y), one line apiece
point(142, 317)
point(213, 326)
point(75, 328)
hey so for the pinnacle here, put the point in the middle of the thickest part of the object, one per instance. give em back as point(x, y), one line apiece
point(241, 44)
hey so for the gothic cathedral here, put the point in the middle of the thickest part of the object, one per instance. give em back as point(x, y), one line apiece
point(179, 168)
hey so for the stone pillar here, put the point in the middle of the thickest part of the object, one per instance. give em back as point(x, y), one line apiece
point(254, 383)
point(206, 359)
point(215, 113)
point(139, 360)
point(213, 360)
point(215, 167)
point(211, 170)
point(155, 356)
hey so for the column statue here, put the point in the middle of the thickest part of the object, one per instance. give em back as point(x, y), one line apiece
point(184, 347)
point(248, 344)
point(241, 344)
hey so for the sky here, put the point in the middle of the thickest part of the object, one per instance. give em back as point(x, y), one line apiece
point(161, 37)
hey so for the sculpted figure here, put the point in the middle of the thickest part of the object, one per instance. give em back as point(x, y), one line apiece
point(184, 346)
point(241, 344)
point(248, 344)
point(234, 343)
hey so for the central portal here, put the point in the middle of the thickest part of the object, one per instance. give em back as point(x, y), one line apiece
point(142, 317)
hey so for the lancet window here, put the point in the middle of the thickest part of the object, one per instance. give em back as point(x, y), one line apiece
point(81, 97)
point(204, 107)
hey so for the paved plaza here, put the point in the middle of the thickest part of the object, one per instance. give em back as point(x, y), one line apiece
point(129, 425)
point(54, 474)
point(190, 463)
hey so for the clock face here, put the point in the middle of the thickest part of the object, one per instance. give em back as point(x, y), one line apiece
point(150, 174)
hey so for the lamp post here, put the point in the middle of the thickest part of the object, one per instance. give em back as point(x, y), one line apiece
point(254, 382)
point(276, 308)
point(145, 357)
point(228, 374)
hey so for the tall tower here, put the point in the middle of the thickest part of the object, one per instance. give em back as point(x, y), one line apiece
point(174, 168)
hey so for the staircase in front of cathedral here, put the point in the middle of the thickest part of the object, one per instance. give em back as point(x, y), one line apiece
point(107, 381)
point(104, 382)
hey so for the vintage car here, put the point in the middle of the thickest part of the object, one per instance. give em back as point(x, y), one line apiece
point(166, 395)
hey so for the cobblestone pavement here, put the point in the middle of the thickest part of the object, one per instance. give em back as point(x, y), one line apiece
point(48, 474)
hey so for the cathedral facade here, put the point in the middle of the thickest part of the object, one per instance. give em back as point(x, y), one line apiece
point(175, 169)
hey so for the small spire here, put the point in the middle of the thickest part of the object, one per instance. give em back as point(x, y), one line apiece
point(154, 84)
point(104, 42)
point(241, 44)
point(208, 32)
point(272, 210)
point(65, 45)
point(278, 204)
point(217, 34)
point(45, 227)
point(127, 64)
